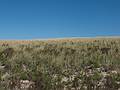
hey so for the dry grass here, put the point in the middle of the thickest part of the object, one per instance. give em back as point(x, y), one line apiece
point(51, 63)
point(17, 42)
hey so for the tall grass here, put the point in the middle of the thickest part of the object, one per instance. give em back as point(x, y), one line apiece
point(61, 65)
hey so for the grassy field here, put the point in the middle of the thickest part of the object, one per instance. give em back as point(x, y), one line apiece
point(60, 64)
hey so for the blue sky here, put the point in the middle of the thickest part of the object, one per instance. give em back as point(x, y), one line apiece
point(33, 19)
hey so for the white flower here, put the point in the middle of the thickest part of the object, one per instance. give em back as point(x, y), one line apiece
point(114, 72)
point(64, 79)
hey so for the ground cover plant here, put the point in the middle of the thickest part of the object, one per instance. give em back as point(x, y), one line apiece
point(65, 64)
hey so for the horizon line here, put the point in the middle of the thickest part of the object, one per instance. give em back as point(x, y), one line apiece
point(41, 39)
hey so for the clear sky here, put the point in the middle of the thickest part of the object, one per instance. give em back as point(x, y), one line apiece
point(34, 19)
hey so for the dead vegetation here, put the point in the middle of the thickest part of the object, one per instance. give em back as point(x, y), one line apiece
point(69, 64)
